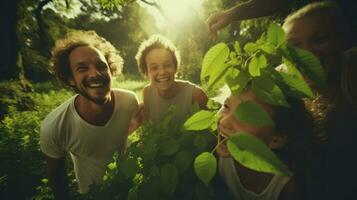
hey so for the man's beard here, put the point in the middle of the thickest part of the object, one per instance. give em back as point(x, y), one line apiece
point(85, 93)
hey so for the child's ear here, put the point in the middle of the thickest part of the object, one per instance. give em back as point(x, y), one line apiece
point(278, 141)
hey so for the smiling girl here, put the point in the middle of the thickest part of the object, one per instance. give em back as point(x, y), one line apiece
point(288, 139)
point(158, 60)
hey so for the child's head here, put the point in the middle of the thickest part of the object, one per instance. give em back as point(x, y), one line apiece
point(320, 29)
point(158, 59)
point(291, 129)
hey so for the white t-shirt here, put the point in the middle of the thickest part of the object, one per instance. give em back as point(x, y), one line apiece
point(91, 147)
point(228, 171)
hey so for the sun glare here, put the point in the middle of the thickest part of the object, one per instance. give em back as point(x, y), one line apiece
point(175, 12)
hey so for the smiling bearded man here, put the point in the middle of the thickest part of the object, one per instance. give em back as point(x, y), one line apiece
point(94, 123)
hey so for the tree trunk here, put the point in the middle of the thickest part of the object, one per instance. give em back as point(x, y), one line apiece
point(8, 40)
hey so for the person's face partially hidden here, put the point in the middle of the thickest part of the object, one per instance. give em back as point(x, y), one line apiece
point(91, 75)
point(318, 34)
point(228, 124)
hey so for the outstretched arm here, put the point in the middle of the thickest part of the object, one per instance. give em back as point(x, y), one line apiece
point(247, 10)
point(57, 177)
point(199, 96)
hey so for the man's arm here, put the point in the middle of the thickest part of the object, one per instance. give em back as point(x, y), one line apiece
point(248, 10)
point(57, 177)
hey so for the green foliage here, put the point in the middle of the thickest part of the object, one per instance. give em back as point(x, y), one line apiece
point(159, 164)
point(251, 113)
point(213, 62)
point(200, 120)
point(252, 153)
point(255, 67)
point(205, 167)
point(22, 167)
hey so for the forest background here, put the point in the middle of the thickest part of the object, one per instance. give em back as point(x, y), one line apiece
point(28, 92)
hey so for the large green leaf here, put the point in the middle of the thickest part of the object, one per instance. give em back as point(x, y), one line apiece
point(252, 153)
point(291, 76)
point(268, 48)
point(218, 74)
point(214, 58)
point(257, 63)
point(309, 64)
point(169, 147)
point(237, 80)
point(200, 120)
point(168, 178)
point(276, 34)
point(266, 90)
point(249, 112)
point(205, 167)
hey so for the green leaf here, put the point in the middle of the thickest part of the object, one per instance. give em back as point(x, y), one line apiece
point(291, 76)
point(205, 167)
point(237, 47)
point(169, 147)
point(130, 167)
point(268, 48)
point(237, 80)
point(251, 47)
point(200, 120)
point(249, 112)
point(252, 153)
point(276, 34)
point(183, 160)
point(309, 64)
point(168, 178)
point(218, 74)
point(267, 91)
point(112, 165)
point(256, 64)
point(214, 59)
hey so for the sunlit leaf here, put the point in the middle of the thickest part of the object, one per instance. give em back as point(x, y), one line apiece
point(249, 112)
point(112, 165)
point(266, 90)
point(237, 47)
point(252, 153)
point(214, 58)
point(251, 47)
point(268, 48)
point(200, 121)
point(218, 74)
point(276, 34)
point(237, 80)
point(257, 63)
point(205, 167)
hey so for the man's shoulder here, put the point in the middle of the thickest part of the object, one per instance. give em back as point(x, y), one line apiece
point(125, 99)
point(123, 93)
point(56, 115)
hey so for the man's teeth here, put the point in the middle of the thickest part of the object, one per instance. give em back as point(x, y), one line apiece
point(163, 79)
point(95, 85)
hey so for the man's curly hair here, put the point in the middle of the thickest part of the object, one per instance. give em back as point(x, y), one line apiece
point(59, 62)
point(155, 42)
